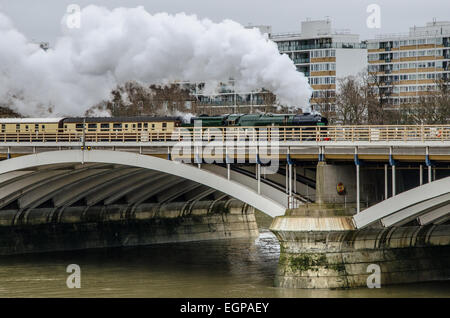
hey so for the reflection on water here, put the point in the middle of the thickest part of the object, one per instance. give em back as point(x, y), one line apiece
point(224, 268)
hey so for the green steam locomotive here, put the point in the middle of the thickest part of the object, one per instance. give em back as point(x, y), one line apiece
point(258, 120)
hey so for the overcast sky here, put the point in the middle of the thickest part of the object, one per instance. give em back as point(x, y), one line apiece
point(40, 20)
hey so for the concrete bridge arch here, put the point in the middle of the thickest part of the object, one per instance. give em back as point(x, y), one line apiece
point(429, 203)
point(133, 171)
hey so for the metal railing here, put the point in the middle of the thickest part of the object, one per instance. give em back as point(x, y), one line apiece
point(385, 133)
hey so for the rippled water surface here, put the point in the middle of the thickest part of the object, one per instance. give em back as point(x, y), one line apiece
point(223, 268)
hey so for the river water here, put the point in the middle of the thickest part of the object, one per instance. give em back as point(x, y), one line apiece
point(221, 268)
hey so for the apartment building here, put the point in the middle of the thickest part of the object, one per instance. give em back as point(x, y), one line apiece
point(407, 66)
point(323, 55)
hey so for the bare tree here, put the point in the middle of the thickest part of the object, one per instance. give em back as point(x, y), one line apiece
point(132, 99)
point(326, 106)
point(433, 107)
point(351, 105)
point(378, 90)
point(5, 111)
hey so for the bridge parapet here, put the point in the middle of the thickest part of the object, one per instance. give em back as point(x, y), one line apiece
point(353, 134)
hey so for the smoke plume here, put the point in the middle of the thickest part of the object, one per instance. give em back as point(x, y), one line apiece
point(112, 47)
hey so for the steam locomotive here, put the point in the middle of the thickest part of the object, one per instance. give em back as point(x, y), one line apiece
point(258, 120)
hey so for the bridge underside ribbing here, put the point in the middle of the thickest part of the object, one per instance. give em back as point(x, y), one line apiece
point(427, 204)
point(74, 177)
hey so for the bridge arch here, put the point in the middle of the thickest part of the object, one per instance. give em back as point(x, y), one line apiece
point(427, 203)
point(133, 160)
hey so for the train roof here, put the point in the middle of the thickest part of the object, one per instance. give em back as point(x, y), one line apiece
point(30, 120)
point(121, 119)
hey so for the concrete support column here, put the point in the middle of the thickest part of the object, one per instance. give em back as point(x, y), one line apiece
point(295, 179)
point(328, 176)
point(290, 205)
point(386, 194)
point(258, 168)
point(428, 162)
point(287, 179)
point(393, 181)
point(421, 174)
point(358, 195)
point(392, 163)
point(429, 174)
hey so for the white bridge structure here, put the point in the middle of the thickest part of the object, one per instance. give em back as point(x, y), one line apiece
point(428, 204)
point(112, 167)
point(67, 176)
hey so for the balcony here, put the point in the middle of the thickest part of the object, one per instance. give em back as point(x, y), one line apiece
point(322, 46)
point(301, 60)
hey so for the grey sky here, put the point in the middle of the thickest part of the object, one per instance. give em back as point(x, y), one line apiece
point(40, 20)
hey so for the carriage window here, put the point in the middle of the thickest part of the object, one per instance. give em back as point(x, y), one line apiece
point(126, 126)
point(164, 126)
point(139, 125)
point(104, 127)
point(3, 127)
point(134, 126)
point(26, 127)
point(17, 127)
point(36, 127)
point(43, 127)
point(92, 127)
point(77, 126)
point(153, 126)
point(145, 125)
point(117, 126)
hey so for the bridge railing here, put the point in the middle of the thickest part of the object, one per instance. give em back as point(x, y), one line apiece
point(405, 133)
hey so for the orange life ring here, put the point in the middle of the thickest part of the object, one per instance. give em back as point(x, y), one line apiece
point(340, 188)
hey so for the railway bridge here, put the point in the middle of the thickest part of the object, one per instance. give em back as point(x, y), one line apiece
point(342, 198)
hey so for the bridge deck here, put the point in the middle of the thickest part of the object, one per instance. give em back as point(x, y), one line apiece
point(346, 134)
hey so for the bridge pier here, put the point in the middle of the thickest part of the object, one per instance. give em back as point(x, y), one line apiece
point(81, 227)
point(328, 176)
point(320, 248)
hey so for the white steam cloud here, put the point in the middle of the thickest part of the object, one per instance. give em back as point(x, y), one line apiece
point(114, 46)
